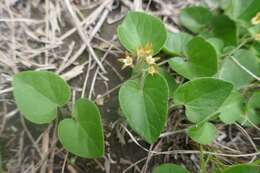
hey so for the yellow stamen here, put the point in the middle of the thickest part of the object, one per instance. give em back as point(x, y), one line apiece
point(127, 61)
point(145, 51)
point(256, 20)
point(152, 69)
point(150, 60)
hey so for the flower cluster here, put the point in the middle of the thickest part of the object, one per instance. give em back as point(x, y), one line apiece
point(143, 55)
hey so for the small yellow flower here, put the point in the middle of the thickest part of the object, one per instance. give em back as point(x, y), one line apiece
point(257, 37)
point(127, 61)
point(152, 69)
point(145, 51)
point(150, 60)
point(256, 20)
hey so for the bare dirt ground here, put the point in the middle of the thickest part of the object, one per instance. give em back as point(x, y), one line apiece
point(68, 37)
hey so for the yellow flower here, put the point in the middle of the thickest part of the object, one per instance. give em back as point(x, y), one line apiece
point(145, 51)
point(256, 20)
point(150, 60)
point(257, 37)
point(127, 61)
point(152, 69)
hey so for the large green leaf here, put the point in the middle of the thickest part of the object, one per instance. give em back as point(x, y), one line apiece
point(38, 94)
point(225, 29)
point(243, 168)
point(83, 135)
point(176, 43)
point(170, 168)
point(230, 111)
point(203, 133)
point(172, 85)
point(202, 60)
point(243, 10)
point(145, 107)
point(230, 71)
point(195, 18)
point(202, 97)
point(139, 29)
point(217, 43)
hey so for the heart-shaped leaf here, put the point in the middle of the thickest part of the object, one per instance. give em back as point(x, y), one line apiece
point(225, 29)
point(139, 29)
point(195, 18)
point(231, 110)
point(243, 168)
point(83, 135)
point(202, 97)
point(203, 133)
point(39, 94)
point(176, 43)
point(170, 168)
point(172, 85)
point(202, 60)
point(145, 106)
point(230, 69)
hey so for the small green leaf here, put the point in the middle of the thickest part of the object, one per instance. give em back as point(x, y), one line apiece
point(225, 29)
point(202, 97)
point(254, 101)
point(170, 168)
point(254, 30)
point(243, 11)
point(145, 108)
point(230, 70)
point(230, 111)
point(139, 29)
point(84, 135)
point(243, 168)
point(39, 94)
point(176, 43)
point(195, 18)
point(202, 60)
point(203, 133)
point(251, 114)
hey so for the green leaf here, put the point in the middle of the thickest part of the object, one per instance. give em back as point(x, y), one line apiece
point(139, 29)
point(145, 108)
point(252, 113)
point(195, 18)
point(242, 10)
point(243, 168)
point(204, 133)
point(39, 94)
point(225, 29)
point(176, 43)
point(202, 97)
point(254, 101)
point(230, 111)
point(83, 135)
point(172, 85)
point(217, 43)
point(230, 70)
point(170, 168)
point(202, 60)
point(254, 30)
